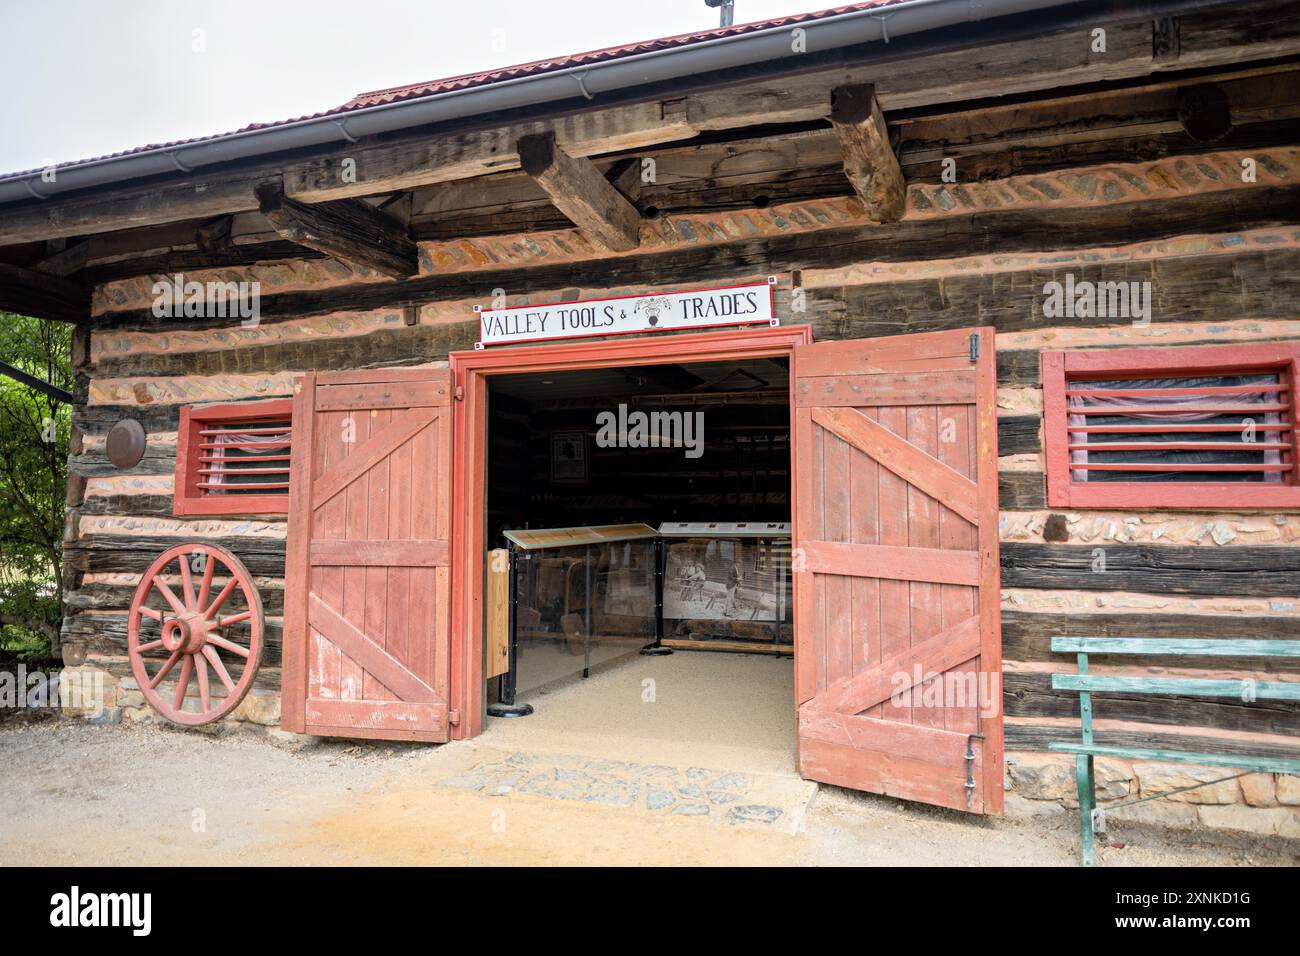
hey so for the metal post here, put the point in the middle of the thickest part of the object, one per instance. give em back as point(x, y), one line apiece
point(507, 707)
point(778, 580)
point(656, 647)
point(586, 637)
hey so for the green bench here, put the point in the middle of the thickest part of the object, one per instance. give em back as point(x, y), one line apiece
point(1086, 685)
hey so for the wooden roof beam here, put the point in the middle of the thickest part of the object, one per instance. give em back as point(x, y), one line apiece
point(348, 229)
point(869, 159)
point(581, 192)
point(40, 294)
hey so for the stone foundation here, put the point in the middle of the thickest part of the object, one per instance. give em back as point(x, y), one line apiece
point(96, 694)
point(1261, 804)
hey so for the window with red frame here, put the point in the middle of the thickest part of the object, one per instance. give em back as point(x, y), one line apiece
point(1172, 427)
point(234, 459)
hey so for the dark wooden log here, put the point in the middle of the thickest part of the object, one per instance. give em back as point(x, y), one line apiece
point(42, 295)
point(1031, 695)
point(1186, 288)
point(396, 344)
point(1018, 434)
point(1020, 367)
point(578, 190)
point(1027, 636)
point(1021, 490)
point(188, 260)
point(104, 634)
point(98, 419)
point(349, 229)
point(128, 505)
point(117, 597)
point(64, 261)
point(1246, 571)
point(1192, 289)
point(1035, 737)
point(97, 465)
point(96, 553)
point(869, 160)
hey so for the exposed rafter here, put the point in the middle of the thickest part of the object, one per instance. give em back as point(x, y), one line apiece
point(349, 229)
point(869, 160)
point(39, 294)
point(581, 192)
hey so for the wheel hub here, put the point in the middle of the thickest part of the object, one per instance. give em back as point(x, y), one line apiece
point(187, 632)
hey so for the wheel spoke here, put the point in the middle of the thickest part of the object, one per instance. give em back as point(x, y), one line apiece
point(166, 669)
point(170, 595)
point(205, 588)
point(219, 667)
point(231, 646)
point(187, 669)
point(211, 612)
point(150, 613)
point(205, 697)
point(149, 646)
point(187, 584)
point(235, 618)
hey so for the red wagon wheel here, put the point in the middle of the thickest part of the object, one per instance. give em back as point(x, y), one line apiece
point(213, 629)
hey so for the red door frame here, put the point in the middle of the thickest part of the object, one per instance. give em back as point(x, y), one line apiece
point(470, 372)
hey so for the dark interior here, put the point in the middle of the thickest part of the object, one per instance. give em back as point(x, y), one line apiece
point(547, 470)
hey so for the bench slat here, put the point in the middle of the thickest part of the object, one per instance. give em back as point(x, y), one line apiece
point(1190, 686)
point(1199, 647)
point(1237, 761)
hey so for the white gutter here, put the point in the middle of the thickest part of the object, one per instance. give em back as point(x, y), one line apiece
point(747, 49)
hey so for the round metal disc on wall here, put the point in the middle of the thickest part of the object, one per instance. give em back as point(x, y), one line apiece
point(126, 443)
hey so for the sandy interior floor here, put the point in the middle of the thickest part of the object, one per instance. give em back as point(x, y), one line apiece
point(73, 793)
point(542, 662)
point(691, 708)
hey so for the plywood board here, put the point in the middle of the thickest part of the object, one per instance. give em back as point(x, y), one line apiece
point(497, 636)
point(530, 539)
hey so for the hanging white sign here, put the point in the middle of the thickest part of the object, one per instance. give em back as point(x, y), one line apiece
point(660, 311)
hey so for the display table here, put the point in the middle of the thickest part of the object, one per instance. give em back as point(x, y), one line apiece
point(723, 585)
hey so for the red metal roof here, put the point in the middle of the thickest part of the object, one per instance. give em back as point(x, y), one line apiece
point(416, 90)
point(398, 93)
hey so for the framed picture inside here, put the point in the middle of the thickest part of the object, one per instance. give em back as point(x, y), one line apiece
point(568, 456)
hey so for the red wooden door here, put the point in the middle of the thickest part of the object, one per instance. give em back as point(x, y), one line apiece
point(898, 656)
point(367, 579)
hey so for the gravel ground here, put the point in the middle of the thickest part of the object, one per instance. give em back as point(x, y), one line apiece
point(73, 793)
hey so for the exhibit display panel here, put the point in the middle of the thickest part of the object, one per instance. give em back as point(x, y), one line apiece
point(582, 597)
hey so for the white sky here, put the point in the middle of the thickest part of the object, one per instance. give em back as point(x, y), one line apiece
point(87, 77)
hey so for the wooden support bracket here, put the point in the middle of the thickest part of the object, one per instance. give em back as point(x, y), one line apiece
point(578, 190)
point(869, 160)
point(349, 229)
point(43, 295)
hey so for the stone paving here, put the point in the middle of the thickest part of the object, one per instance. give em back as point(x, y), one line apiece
point(726, 797)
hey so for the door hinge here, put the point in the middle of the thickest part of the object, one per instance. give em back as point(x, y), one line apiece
point(970, 762)
point(459, 393)
point(453, 717)
point(974, 346)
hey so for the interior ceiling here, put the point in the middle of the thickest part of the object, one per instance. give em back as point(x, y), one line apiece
point(696, 378)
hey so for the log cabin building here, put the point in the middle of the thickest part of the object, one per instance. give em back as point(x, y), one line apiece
point(977, 238)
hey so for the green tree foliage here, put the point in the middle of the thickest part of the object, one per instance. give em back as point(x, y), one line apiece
point(34, 433)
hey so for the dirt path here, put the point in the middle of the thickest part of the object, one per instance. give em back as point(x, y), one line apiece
point(76, 794)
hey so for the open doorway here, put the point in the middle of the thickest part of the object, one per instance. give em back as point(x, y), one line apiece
point(671, 484)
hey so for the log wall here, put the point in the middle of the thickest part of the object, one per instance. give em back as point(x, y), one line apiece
point(1222, 257)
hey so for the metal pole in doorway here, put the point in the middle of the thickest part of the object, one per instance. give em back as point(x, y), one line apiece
point(586, 637)
point(656, 647)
